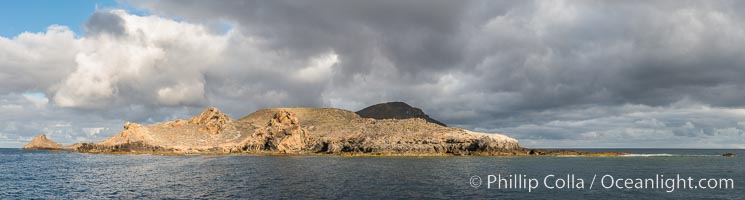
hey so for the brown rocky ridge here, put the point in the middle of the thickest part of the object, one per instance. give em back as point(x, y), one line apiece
point(300, 131)
point(41, 142)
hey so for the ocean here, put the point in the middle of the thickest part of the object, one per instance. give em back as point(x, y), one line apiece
point(64, 175)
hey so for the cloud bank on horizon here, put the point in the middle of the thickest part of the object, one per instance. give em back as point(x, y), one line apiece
point(549, 73)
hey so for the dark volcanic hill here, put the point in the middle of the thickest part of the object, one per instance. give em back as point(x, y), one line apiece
point(395, 110)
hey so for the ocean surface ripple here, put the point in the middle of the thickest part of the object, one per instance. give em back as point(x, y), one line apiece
point(55, 175)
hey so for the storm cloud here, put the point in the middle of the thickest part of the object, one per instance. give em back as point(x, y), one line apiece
point(549, 73)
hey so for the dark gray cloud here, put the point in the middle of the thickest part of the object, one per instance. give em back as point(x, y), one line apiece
point(553, 54)
point(105, 22)
point(550, 73)
point(410, 34)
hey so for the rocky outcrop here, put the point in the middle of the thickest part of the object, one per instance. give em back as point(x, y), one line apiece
point(395, 110)
point(408, 137)
point(132, 133)
point(211, 120)
point(282, 134)
point(42, 143)
point(567, 152)
point(129, 147)
point(335, 131)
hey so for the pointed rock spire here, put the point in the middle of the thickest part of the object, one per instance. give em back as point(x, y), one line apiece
point(41, 142)
point(210, 114)
point(211, 120)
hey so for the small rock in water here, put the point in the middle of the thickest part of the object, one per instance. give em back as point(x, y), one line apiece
point(729, 154)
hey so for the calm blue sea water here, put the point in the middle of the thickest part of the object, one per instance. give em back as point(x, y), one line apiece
point(43, 174)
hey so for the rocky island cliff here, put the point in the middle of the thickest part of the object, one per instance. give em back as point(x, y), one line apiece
point(42, 142)
point(300, 131)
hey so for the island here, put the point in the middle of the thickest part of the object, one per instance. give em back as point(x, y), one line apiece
point(387, 129)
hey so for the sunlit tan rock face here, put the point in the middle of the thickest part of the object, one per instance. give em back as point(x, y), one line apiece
point(211, 120)
point(283, 133)
point(41, 142)
point(301, 131)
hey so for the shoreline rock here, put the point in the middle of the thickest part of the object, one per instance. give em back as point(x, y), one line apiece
point(41, 142)
point(729, 155)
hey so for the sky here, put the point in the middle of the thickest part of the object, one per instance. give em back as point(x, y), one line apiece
point(36, 15)
point(552, 74)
